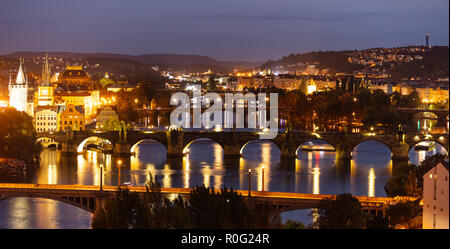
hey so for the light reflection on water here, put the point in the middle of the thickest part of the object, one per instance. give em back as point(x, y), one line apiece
point(313, 172)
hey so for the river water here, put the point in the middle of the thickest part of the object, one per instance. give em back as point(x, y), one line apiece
point(313, 172)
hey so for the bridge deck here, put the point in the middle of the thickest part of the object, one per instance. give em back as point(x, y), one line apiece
point(53, 189)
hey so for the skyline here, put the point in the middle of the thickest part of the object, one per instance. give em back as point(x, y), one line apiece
point(223, 31)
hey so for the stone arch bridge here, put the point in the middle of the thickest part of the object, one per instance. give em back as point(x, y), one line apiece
point(232, 142)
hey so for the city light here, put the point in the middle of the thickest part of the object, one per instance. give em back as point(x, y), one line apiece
point(130, 139)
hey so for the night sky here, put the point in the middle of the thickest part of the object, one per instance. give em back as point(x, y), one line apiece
point(223, 29)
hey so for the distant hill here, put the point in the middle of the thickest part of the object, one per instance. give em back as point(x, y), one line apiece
point(336, 61)
point(177, 61)
point(435, 64)
point(431, 63)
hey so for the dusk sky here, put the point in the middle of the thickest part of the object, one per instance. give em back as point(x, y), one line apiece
point(223, 29)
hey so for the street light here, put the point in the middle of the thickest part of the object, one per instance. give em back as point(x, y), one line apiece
point(249, 182)
point(119, 163)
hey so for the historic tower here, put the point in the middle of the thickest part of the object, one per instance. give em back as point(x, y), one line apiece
point(45, 89)
point(18, 91)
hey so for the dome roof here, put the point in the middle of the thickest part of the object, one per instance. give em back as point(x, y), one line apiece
point(106, 81)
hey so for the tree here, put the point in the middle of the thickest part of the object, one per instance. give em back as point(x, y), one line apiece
point(377, 222)
point(223, 209)
point(403, 213)
point(212, 83)
point(147, 88)
point(112, 124)
point(342, 212)
point(403, 183)
point(408, 180)
point(291, 224)
point(16, 133)
point(150, 210)
point(126, 106)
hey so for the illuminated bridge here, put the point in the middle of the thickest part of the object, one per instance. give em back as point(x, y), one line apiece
point(90, 197)
point(233, 142)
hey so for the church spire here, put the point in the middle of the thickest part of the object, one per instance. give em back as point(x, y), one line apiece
point(46, 72)
point(21, 77)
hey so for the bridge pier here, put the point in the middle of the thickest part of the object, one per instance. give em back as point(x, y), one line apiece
point(175, 162)
point(442, 120)
point(122, 148)
point(175, 144)
point(343, 166)
point(231, 151)
point(68, 149)
point(288, 151)
point(400, 151)
point(344, 151)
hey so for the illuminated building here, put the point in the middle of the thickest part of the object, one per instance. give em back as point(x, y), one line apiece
point(46, 118)
point(119, 86)
point(70, 117)
point(387, 88)
point(432, 95)
point(74, 75)
point(106, 81)
point(311, 87)
point(18, 91)
point(435, 197)
point(45, 93)
point(287, 82)
point(104, 115)
point(253, 81)
point(88, 99)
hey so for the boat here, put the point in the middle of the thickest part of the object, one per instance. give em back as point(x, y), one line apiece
point(421, 148)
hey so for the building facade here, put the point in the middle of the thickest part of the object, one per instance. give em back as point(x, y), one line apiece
point(435, 197)
point(104, 115)
point(70, 117)
point(46, 118)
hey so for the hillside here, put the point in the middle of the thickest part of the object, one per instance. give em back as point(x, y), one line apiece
point(336, 61)
point(164, 61)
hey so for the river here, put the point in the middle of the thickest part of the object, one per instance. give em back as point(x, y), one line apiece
point(313, 172)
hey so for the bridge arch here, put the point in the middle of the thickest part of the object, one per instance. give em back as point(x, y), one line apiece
point(415, 143)
point(425, 120)
point(378, 140)
point(186, 147)
point(92, 140)
point(47, 142)
point(242, 147)
point(135, 145)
